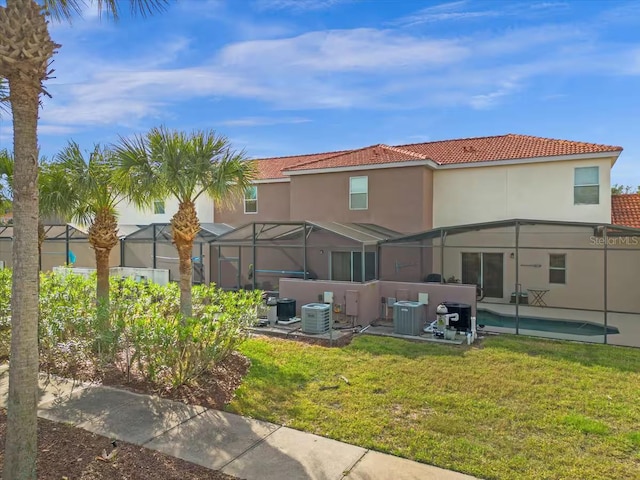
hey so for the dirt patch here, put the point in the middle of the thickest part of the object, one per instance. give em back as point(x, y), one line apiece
point(68, 452)
point(214, 389)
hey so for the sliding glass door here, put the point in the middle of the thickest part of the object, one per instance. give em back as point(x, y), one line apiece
point(486, 270)
point(347, 266)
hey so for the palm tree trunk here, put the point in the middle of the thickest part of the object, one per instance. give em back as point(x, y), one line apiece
point(21, 439)
point(102, 285)
point(26, 50)
point(103, 236)
point(184, 228)
point(186, 272)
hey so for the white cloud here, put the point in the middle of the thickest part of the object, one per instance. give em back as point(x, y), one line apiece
point(335, 69)
point(299, 5)
point(262, 121)
point(46, 129)
point(344, 50)
point(458, 11)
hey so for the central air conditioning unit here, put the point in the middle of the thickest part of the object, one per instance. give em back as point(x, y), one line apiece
point(316, 318)
point(408, 318)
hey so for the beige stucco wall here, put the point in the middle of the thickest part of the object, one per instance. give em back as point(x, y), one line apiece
point(584, 287)
point(537, 191)
point(273, 205)
point(399, 198)
point(130, 215)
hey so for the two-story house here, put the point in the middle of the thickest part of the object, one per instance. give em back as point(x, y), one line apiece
point(411, 188)
point(423, 187)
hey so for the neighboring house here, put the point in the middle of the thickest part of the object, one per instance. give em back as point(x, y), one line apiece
point(411, 188)
point(161, 212)
point(625, 210)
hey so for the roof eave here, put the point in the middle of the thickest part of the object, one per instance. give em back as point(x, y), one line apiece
point(351, 168)
point(521, 161)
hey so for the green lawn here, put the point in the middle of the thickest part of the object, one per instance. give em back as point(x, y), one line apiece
point(507, 408)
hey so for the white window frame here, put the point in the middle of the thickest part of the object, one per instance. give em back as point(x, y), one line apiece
point(576, 186)
point(563, 269)
point(157, 203)
point(255, 187)
point(351, 193)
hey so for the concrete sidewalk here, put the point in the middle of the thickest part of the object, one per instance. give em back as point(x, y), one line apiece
point(239, 446)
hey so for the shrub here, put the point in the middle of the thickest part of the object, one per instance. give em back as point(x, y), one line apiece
point(145, 328)
point(174, 352)
point(5, 312)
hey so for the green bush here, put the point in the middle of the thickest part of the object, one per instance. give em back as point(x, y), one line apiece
point(173, 351)
point(145, 328)
point(66, 326)
point(5, 312)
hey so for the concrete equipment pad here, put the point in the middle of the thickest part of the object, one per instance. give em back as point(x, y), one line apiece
point(212, 439)
point(293, 455)
point(140, 418)
point(380, 466)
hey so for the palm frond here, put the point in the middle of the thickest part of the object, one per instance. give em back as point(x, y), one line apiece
point(6, 178)
point(135, 171)
point(184, 165)
point(61, 10)
point(5, 106)
point(89, 181)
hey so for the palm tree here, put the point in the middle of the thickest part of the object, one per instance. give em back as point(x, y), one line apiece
point(166, 163)
point(26, 52)
point(90, 199)
point(52, 193)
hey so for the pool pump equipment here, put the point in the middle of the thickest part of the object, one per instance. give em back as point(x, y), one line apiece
point(447, 325)
point(443, 327)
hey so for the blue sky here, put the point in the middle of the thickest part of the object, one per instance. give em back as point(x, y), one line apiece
point(281, 77)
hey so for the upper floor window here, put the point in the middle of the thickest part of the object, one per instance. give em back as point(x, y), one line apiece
point(358, 193)
point(251, 200)
point(586, 186)
point(158, 207)
point(557, 268)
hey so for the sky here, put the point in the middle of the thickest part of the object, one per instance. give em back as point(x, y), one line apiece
point(285, 77)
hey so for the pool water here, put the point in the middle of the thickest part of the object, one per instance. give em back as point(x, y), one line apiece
point(571, 327)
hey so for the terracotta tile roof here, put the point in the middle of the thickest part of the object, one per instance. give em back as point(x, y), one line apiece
point(272, 168)
point(444, 152)
point(625, 210)
point(503, 147)
point(376, 154)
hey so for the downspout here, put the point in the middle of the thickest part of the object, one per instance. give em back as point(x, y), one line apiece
point(363, 263)
point(122, 250)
